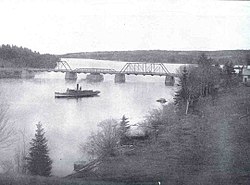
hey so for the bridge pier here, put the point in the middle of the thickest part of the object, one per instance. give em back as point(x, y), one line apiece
point(70, 75)
point(94, 77)
point(120, 78)
point(169, 81)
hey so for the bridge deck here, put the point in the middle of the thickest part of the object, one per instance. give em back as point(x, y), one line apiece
point(92, 71)
point(100, 71)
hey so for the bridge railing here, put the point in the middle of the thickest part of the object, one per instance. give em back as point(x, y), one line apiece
point(94, 70)
point(145, 68)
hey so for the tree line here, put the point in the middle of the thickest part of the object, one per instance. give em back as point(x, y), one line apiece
point(203, 80)
point(14, 56)
point(164, 56)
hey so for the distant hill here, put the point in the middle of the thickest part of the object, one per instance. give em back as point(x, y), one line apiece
point(164, 56)
point(19, 57)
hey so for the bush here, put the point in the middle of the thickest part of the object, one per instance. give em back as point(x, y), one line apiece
point(104, 142)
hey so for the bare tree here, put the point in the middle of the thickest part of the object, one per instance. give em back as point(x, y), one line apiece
point(7, 166)
point(197, 82)
point(21, 154)
point(6, 129)
point(104, 141)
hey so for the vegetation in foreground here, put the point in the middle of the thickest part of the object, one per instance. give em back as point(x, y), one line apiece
point(202, 138)
point(38, 180)
point(39, 162)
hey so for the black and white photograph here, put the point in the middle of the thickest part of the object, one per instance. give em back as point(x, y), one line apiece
point(124, 92)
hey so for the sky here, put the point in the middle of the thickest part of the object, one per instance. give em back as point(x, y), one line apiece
point(66, 26)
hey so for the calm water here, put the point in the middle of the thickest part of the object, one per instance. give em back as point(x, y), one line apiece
point(68, 122)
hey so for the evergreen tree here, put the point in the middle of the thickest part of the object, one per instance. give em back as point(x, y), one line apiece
point(203, 60)
point(39, 162)
point(190, 89)
point(229, 74)
point(248, 60)
point(123, 129)
point(181, 95)
point(229, 69)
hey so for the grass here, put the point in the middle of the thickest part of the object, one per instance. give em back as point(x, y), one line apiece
point(212, 147)
point(38, 180)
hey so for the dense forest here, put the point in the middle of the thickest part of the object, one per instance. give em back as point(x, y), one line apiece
point(13, 56)
point(164, 56)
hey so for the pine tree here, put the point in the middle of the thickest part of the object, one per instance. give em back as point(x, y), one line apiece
point(203, 60)
point(123, 130)
point(39, 162)
point(181, 95)
point(248, 60)
point(229, 74)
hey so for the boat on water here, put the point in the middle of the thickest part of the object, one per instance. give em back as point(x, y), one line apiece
point(76, 93)
point(162, 100)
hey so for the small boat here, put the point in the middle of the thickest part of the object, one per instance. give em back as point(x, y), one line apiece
point(162, 100)
point(76, 93)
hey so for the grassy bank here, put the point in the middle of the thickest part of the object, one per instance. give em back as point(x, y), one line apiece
point(36, 180)
point(211, 146)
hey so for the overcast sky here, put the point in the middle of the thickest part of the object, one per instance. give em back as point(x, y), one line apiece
point(63, 26)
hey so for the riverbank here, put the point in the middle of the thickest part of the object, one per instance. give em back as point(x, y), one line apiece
point(16, 73)
point(209, 147)
point(37, 180)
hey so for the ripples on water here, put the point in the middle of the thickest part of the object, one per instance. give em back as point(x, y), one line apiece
point(68, 122)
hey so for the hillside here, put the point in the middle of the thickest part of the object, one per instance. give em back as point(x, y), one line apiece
point(163, 56)
point(211, 147)
point(15, 57)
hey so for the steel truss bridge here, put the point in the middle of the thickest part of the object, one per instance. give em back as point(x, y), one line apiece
point(145, 69)
point(152, 69)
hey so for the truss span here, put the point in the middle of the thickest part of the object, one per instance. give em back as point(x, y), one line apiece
point(95, 70)
point(152, 69)
point(63, 65)
point(145, 69)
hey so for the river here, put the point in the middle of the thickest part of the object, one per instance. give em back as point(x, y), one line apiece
point(68, 122)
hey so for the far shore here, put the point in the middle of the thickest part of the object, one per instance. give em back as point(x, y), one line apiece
point(221, 57)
